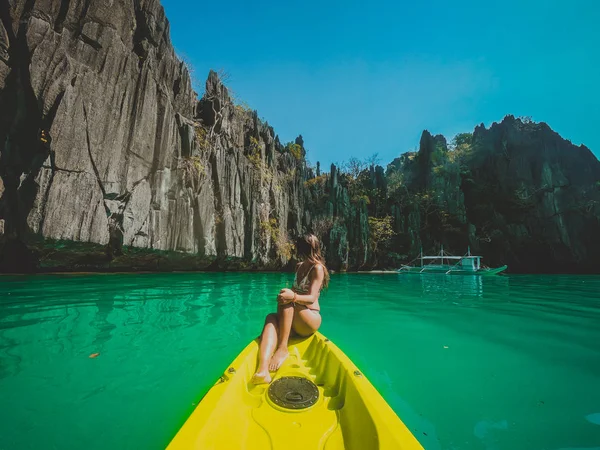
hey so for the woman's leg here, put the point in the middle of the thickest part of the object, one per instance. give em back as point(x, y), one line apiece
point(306, 321)
point(285, 317)
point(268, 340)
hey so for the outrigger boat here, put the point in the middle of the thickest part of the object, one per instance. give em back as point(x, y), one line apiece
point(451, 265)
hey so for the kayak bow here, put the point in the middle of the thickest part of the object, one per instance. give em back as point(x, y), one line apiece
point(317, 400)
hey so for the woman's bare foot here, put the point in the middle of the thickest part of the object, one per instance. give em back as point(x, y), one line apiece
point(278, 358)
point(261, 378)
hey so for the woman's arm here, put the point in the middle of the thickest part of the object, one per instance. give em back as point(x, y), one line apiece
point(314, 290)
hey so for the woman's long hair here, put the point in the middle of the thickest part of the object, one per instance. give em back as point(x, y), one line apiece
point(308, 248)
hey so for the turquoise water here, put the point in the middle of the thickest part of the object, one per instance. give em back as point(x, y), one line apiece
point(508, 362)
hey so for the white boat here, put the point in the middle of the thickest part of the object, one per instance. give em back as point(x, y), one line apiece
point(451, 265)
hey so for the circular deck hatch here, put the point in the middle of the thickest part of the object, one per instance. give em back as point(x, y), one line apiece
point(293, 392)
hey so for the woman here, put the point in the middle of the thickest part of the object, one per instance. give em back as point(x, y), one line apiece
point(298, 309)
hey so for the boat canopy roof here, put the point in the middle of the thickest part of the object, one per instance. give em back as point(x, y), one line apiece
point(449, 257)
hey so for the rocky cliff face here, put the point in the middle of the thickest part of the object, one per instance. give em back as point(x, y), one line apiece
point(88, 130)
point(103, 141)
point(532, 198)
point(517, 193)
point(108, 161)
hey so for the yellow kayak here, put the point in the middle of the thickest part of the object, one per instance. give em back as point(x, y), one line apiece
point(318, 399)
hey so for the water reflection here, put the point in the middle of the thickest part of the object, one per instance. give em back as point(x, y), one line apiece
point(86, 313)
point(451, 286)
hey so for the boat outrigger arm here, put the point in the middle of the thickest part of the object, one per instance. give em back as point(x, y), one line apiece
point(467, 264)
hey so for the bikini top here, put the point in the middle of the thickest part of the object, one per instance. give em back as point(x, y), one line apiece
point(302, 287)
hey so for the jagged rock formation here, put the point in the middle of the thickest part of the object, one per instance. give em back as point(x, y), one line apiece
point(517, 193)
point(250, 195)
point(133, 158)
point(103, 80)
point(109, 162)
point(533, 198)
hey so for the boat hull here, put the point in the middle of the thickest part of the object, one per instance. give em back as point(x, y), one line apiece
point(449, 271)
point(348, 414)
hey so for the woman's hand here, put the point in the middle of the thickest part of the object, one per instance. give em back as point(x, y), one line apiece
point(285, 296)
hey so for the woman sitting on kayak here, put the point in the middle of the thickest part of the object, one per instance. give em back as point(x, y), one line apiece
point(297, 309)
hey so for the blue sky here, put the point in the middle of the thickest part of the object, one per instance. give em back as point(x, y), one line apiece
point(357, 79)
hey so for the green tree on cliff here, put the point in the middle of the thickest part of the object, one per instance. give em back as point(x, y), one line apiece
point(380, 235)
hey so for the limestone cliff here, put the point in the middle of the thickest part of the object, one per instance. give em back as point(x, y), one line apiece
point(103, 141)
point(517, 193)
point(532, 198)
point(101, 81)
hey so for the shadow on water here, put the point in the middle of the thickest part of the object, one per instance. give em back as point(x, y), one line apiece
point(10, 360)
